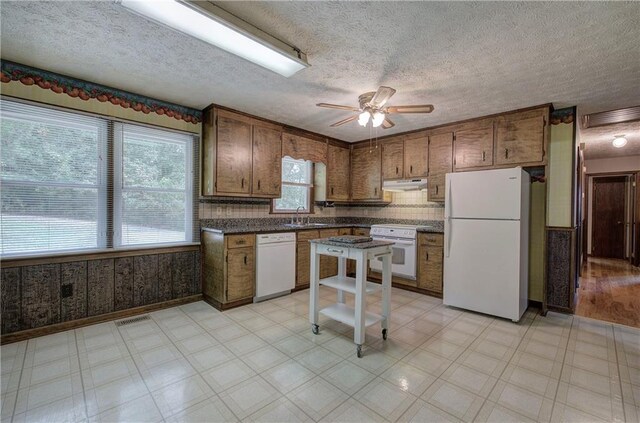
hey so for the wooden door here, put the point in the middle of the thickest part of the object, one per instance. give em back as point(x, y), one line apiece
point(520, 138)
point(608, 217)
point(393, 159)
point(240, 273)
point(303, 251)
point(441, 153)
point(233, 156)
point(474, 147)
point(366, 174)
point(430, 257)
point(267, 163)
point(337, 173)
point(435, 187)
point(416, 156)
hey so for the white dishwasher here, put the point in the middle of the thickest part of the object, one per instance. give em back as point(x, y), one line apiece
point(275, 265)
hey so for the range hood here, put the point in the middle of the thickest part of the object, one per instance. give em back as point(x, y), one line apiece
point(405, 185)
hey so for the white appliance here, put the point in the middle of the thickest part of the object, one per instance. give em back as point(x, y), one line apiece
point(486, 241)
point(275, 265)
point(405, 185)
point(403, 260)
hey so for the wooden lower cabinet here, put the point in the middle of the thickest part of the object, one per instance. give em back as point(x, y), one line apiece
point(430, 255)
point(228, 269)
point(303, 258)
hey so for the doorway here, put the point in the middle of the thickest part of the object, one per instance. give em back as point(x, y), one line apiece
point(609, 220)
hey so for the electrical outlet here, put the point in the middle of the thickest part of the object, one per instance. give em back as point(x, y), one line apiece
point(228, 210)
point(66, 290)
point(219, 211)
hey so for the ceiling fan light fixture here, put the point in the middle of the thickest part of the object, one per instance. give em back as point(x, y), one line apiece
point(217, 27)
point(378, 118)
point(363, 119)
point(619, 141)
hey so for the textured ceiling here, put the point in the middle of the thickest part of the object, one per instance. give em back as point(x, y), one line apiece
point(467, 58)
point(598, 140)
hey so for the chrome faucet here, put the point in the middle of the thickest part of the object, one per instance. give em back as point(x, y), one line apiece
point(298, 221)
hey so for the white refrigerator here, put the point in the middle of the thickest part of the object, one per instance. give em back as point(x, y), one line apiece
point(486, 241)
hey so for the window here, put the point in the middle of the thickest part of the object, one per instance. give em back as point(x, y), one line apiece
point(152, 192)
point(53, 180)
point(57, 184)
point(297, 177)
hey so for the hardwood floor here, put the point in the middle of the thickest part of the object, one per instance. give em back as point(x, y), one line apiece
point(610, 291)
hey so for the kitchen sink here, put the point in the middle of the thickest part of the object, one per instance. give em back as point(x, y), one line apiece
point(304, 225)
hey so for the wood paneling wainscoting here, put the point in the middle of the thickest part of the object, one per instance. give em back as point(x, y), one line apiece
point(560, 270)
point(46, 295)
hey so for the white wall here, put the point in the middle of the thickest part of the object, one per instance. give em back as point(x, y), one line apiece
point(616, 164)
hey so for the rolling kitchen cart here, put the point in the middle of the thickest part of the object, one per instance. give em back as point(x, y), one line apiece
point(356, 317)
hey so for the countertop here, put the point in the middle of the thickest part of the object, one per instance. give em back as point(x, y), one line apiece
point(356, 245)
point(269, 225)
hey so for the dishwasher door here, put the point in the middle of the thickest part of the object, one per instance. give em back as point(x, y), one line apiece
point(275, 269)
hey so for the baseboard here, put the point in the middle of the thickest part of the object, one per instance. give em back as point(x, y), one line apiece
point(564, 310)
point(225, 306)
point(74, 324)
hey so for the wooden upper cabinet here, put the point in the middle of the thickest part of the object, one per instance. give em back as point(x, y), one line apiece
point(521, 138)
point(416, 156)
point(440, 153)
point(393, 158)
point(233, 155)
point(474, 147)
point(337, 173)
point(366, 180)
point(267, 163)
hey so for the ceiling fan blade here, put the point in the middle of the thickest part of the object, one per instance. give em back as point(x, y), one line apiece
point(343, 121)
point(382, 96)
point(421, 108)
point(339, 107)
point(386, 123)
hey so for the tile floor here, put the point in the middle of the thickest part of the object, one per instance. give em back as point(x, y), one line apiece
point(262, 363)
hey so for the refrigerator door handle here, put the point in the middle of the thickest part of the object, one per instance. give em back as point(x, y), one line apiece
point(447, 222)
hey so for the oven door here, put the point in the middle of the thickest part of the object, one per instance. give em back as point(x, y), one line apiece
point(403, 260)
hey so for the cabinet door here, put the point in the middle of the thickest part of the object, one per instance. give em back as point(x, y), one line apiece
point(435, 187)
point(440, 153)
point(366, 174)
point(430, 268)
point(267, 153)
point(393, 159)
point(240, 273)
point(233, 156)
point(474, 147)
point(520, 138)
point(303, 249)
point(416, 156)
point(328, 264)
point(337, 173)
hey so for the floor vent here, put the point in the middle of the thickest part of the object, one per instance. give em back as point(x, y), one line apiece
point(133, 320)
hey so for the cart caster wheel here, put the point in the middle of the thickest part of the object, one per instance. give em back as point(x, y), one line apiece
point(315, 329)
point(384, 334)
point(359, 351)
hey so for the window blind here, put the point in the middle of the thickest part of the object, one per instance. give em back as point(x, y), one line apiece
point(153, 186)
point(53, 180)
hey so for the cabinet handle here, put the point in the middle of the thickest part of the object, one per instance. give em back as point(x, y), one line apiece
point(410, 169)
point(242, 183)
point(483, 156)
point(245, 260)
point(258, 184)
point(396, 170)
point(375, 191)
point(427, 256)
point(331, 190)
point(436, 190)
point(241, 241)
point(506, 153)
point(333, 250)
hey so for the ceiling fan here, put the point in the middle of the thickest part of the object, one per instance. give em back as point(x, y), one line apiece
point(372, 107)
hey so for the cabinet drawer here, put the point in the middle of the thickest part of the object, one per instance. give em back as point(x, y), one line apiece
point(344, 231)
point(326, 233)
point(307, 235)
point(431, 239)
point(361, 231)
point(239, 241)
point(333, 251)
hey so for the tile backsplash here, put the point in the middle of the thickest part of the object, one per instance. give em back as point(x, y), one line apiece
point(404, 205)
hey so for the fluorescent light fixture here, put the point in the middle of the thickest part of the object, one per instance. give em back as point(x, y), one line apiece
point(619, 141)
point(213, 25)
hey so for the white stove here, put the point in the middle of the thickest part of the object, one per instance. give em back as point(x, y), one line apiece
point(404, 258)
